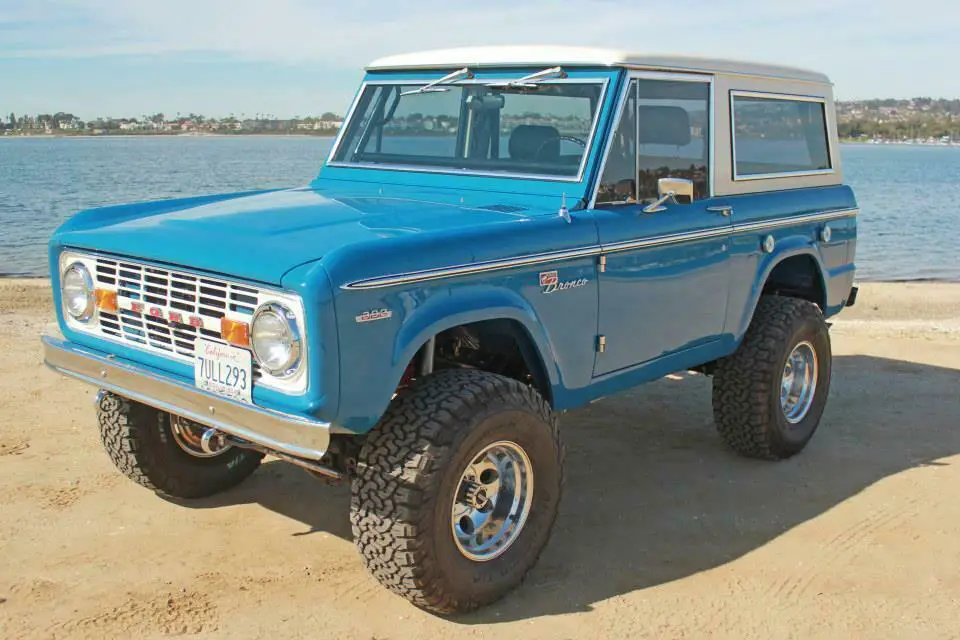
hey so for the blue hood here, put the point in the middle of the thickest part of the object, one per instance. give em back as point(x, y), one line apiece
point(260, 236)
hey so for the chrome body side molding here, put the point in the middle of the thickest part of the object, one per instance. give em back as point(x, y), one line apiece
point(470, 269)
point(570, 254)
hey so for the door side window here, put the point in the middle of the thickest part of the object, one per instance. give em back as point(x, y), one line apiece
point(673, 133)
point(618, 184)
point(663, 133)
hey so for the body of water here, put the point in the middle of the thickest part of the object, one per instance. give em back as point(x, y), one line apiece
point(909, 195)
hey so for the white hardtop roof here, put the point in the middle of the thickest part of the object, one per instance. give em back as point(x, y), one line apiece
point(546, 56)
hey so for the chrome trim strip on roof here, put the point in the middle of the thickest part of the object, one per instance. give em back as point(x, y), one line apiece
point(783, 97)
point(582, 252)
point(413, 168)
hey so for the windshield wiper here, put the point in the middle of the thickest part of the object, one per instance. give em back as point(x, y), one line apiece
point(434, 87)
point(531, 80)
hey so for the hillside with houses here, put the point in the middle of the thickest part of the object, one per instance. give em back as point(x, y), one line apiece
point(62, 123)
point(915, 120)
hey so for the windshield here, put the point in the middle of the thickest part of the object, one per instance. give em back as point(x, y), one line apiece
point(535, 129)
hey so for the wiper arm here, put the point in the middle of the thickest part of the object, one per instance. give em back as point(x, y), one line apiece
point(532, 79)
point(434, 87)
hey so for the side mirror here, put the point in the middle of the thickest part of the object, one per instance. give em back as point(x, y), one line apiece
point(677, 190)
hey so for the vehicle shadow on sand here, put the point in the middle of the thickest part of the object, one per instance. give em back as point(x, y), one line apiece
point(653, 495)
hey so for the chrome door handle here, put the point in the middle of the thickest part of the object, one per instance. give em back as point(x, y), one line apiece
point(724, 210)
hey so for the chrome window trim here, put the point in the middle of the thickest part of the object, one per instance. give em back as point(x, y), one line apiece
point(670, 77)
point(615, 123)
point(712, 132)
point(343, 128)
point(425, 275)
point(591, 143)
point(294, 385)
point(783, 97)
point(773, 95)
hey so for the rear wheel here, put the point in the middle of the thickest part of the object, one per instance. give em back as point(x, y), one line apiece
point(457, 489)
point(168, 454)
point(769, 396)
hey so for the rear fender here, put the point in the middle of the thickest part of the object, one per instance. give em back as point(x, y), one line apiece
point(788, 247)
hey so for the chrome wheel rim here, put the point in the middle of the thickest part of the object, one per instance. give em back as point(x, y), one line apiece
point(492, 501)
point(196, 439)
point(798, 384)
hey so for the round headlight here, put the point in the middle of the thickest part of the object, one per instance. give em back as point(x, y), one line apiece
point(275, 339)
point(76, 290)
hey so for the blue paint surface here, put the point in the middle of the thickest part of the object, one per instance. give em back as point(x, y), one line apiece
point(662, 308)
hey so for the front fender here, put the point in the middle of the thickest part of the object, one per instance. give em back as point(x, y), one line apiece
point(471, 305)
point(382, 349)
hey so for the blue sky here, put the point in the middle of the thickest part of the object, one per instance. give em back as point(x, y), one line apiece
point(297, 57)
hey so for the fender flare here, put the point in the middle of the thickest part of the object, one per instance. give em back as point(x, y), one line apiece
point(789, 247)
point(475, 304)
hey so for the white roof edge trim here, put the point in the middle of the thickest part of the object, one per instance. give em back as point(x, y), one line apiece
point(527, 55)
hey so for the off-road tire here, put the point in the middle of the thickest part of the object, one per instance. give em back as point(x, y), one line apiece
point(746, 385)
point(139, 441)
point(409, 470)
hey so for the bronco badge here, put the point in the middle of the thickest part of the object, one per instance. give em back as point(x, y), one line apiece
point(550, 282)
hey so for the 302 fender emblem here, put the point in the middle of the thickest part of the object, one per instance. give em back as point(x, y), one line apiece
point(374, 314)
point(550, 282)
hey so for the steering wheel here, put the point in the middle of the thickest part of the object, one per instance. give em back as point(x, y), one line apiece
point(574, 139)
point(579, 141)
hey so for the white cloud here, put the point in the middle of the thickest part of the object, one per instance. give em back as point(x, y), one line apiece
point(850, 39)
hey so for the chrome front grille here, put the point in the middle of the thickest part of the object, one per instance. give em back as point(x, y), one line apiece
point(165, 311)
point(167, 291)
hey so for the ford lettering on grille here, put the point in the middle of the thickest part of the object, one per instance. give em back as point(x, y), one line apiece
point(166, 311)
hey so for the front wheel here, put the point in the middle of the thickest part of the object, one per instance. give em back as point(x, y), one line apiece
point(169, 454)
point(457, 489)
point(769, 395)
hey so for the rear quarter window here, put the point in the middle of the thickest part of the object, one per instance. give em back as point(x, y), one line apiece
point(776, 136)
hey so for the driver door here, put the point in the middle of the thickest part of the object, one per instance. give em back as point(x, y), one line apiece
point(663, 288)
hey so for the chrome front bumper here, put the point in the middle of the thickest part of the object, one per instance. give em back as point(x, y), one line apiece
point(283, 432)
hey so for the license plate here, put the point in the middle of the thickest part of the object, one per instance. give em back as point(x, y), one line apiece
point(223, 370)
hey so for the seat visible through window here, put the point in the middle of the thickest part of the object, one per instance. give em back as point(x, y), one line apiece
point(537, 143)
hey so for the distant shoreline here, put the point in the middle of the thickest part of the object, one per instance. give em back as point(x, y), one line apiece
point(266, 134)
point(897, 143)
point(333, 134)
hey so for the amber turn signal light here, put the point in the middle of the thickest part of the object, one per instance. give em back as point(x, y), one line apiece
point(106, 300)
point(235, 333)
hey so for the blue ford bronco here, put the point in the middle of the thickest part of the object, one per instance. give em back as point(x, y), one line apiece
point(497, 236)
